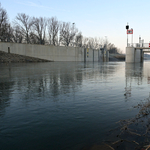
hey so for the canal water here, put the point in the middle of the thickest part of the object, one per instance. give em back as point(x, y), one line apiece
point(67, 105)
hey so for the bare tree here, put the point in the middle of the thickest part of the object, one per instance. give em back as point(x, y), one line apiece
point(53, 28)
point(112, 48)
point(94, 43)
point(91, 43)
point(33, 38)
point(40, 25)
point(17, 35)
point(4, 25)
point(9, 34)
point(67, 33)
point(78, 39)
point(25, 23)
point(85, 42)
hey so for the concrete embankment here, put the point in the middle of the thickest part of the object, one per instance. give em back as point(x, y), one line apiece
point(15, 58)
point(52, 53)
point(15, 52)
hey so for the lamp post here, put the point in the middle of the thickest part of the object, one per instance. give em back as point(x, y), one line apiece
point(127, 27)
point(73, 24)
point(106, 42)
point(106, 39)
point(73, 30)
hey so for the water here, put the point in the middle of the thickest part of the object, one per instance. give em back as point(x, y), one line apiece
point(67, 105)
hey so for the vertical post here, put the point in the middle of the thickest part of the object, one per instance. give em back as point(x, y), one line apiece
point(93, 55)
point(107, 55)
point(127, 40)
point(87, 52)
point(84, 54)
point(132, 40)
point(127, 27)
point(8, 49)
point(139, 41)
point(141, 55)
point(98, 55)
point(143, 43)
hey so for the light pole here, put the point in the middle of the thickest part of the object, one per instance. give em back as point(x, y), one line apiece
point(106, 43)
point(127, 27)
point(106, 39)
point(73, 24)
point(73, 31)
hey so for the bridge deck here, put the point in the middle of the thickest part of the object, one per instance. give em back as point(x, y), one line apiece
point(145, 49)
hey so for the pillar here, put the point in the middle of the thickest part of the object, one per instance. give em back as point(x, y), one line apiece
point(130, 54)
point(133, 55)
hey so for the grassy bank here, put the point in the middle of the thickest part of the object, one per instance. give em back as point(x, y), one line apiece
point(15, 58)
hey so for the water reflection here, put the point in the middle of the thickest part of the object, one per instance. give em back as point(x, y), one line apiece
point(64, 104)
point(133, 71)
point(5, 95)
point(32, 82)
point(49, 80)
point(147, 72)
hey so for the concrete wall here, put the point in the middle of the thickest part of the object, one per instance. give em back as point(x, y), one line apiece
point(137, 55)
point(133, 55)
point(92, 55)
point(50, 52)
point(130, 54)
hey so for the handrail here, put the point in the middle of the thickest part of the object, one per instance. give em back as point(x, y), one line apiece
point(139, 45)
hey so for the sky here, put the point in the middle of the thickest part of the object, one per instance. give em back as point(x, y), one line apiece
point(94, 18)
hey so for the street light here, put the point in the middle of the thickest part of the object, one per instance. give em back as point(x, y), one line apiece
point(73, 30)
point(73, 25)
point(106, 39)
point(127, 27)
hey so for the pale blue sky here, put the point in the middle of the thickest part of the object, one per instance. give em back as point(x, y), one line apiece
point(94, 18)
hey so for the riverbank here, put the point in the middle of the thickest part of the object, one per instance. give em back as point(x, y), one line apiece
point(15, 58)
point(117, 57)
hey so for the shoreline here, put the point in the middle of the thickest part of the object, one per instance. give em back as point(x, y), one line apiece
point(16, 58)
point(132, 133)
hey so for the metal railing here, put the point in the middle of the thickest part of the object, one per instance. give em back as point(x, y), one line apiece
point(145, 45)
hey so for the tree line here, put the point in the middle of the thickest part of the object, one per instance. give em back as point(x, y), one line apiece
point(44, 31)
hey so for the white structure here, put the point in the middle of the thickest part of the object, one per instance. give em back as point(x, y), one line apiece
point(135, 52)
point(134, 55)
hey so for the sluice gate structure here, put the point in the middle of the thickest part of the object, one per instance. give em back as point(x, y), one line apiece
point(135, 52)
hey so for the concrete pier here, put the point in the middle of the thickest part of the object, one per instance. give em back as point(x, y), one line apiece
point(134, 55)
